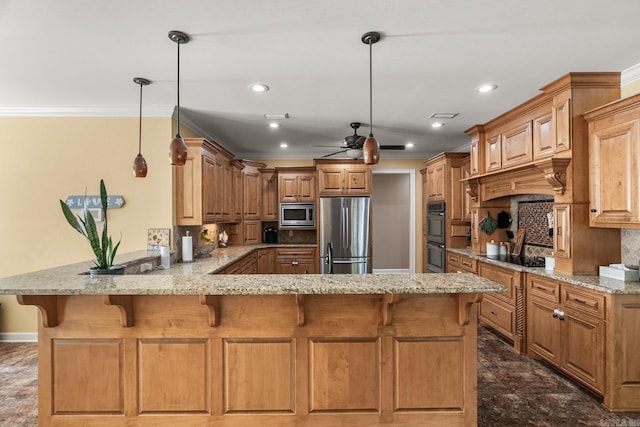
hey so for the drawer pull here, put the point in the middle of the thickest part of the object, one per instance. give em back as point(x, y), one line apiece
point(494, 313)
point(579, 301)
point(541, 288)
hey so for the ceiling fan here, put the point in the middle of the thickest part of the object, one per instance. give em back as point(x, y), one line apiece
point(352, 144)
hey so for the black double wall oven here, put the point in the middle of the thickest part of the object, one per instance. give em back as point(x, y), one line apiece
point(436, 232)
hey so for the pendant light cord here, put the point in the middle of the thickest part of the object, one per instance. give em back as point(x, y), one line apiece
point(178, 91)
point(140, 124)
point(370, 89)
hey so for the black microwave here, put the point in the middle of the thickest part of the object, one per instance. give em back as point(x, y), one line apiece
point(297, 215)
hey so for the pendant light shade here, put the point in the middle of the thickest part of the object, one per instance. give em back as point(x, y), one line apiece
point(177, 148)
point(139, 163)
point(371, 148)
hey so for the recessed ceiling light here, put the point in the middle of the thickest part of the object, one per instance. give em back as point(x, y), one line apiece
point(488, 87)
point(409, 145)
point(283, 145)
point(274, 125)
point(258, 87)
point(437, 125)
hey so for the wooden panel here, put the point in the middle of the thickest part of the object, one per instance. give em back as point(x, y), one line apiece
point(87, 376)
point(517, 145)
point(307, 188)
point(296, 252)
point(358, 181)
point(562, 230)
point(583, 300)
point(505, 277)
point(259, 375)
point(499, 315)
point(468, 264)
point(344, 375)
point(252, 233)
point(269, 195)
point(543, 330)
point(474, 155)
point(252, 195)
point(330, 180)
point(493, 153)
point(173, 375)
point(584, 350)
point(561, 121)
point(287, 188)
point(429, 374)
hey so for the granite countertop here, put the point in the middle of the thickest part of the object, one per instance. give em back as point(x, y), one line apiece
point(597, 283)
point(196, 279)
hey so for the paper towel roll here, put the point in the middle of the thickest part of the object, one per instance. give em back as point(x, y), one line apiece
point(187, 248)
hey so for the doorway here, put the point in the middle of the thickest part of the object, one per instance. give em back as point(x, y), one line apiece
point(393, 221)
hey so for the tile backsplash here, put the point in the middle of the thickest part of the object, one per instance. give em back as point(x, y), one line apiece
point(630, 246)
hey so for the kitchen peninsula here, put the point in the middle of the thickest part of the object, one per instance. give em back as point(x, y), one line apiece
point(186, 347)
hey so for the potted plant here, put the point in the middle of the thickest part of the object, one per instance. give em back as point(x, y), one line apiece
point(102, 246)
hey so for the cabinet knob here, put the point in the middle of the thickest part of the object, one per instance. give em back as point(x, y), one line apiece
point(594, 210)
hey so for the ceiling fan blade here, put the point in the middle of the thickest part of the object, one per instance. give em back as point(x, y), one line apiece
point(392, 147)
point(331, 146)
point(337, 152)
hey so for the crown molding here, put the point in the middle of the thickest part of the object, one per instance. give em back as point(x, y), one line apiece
point(630, 75)
point(87, 111)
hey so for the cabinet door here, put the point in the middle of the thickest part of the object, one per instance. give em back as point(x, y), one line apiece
point(583, 355)
point(465, 197)
point(227, 190)
point(435, 182)
point(210, 174)
point(285, 266)
point(562, 230)
point(474, 167)
point(498, 315)
point(517, 146)
point(475, 230)
point(269, 196)
point(307, 188)
point(306, 266)
point(358, 181)
point(614, 162)
point(288, 188)
point(493, 152)
point(509, 278)
point(251, 232)
point(561, 122)
point(542, 138)
point(266, 261)
point(252, 195)
point(330, 180)
point(236, 211)
point(543, 330)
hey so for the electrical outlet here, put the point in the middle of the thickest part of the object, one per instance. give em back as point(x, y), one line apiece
point(290, 233)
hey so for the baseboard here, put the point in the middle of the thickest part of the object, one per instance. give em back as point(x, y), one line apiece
point(18, 337)
point(391, 271)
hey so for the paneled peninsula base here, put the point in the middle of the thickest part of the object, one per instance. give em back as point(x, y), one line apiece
point(249, 360)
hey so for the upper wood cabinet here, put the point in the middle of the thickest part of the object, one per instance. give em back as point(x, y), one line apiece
point(236, 179)
point(252, 193)
point(614, 148)
point(493, 152)
point(297, 185)
point(343, 178)
point(435, 180)
point(561, 121)
point(269, 179)
point(204, 184)
point(543, 143)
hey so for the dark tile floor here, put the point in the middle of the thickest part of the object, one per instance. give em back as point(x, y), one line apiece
point(513, 390)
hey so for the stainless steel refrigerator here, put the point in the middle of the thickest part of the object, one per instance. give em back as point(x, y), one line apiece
point(345, 246)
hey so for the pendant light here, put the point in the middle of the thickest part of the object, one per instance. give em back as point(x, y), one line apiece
point(371, 148)
point(177, 148)
point(140, 164)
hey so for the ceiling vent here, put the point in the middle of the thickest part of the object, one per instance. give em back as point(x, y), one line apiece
point(281, 116)
point(441, 116)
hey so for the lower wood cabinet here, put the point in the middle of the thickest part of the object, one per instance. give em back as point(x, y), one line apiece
point(566, 327)
point(266, 261)
point(457, 263)
point(296, 260)
point(505, 311)
point(245, 265)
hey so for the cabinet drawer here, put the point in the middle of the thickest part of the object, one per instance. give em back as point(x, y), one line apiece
point(499, 315)
point(295, 252)
point(583, 300)
point(508, 278)
point(453, 262)
point(544, 288)
point(468, 265)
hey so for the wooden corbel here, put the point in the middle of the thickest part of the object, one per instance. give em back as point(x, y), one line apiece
point(471, 187)
point(555, 173)
point(213, 304)
point(387, 308)
point(465, 302)
point(47, 305)
point(300, 309)
point(125, 304)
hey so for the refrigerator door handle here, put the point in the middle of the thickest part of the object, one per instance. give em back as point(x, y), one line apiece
point(351, 262)
point(330, 257)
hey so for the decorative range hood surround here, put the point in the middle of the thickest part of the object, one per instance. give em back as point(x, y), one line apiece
point(547, 176)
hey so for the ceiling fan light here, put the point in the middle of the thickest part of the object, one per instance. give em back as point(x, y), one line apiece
point(354, 153)
point(178, 151)
point(371, 150)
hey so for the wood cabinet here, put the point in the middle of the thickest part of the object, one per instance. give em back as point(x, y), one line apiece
point(493, 161)
point(614, 163)
point(517, 145)
point(292, 260)
point(237, 188)
point(457, 263)
point(266, 260)
point(252, 234)
point(543, 142)
point(436, 181)
point(566, 327)
point(269, 183)
point(343, 178)
point(204, 185)
point(505, 311)
point(562, 230)
point(252, 189)
point(245, 265)
point(297, 185)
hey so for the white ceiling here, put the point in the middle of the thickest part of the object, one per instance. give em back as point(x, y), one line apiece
point(78, 57)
